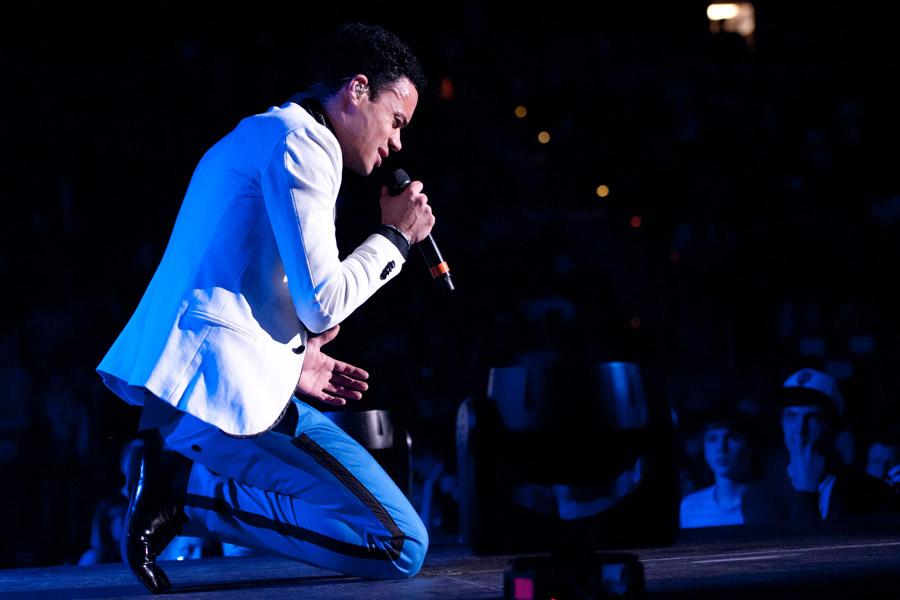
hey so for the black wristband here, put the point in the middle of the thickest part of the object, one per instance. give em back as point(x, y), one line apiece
point(396, 237)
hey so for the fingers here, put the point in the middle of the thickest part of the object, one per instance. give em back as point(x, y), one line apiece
point(349, 371)
point(333, 400)
point(894, 475)
point(807, 451)
point(342, 388)
point(328, 380)
point(408, 211)
point(339, 394)
point(340, 397)
point(342, 381)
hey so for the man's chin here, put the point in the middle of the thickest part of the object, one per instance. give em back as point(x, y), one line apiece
point(362, 172)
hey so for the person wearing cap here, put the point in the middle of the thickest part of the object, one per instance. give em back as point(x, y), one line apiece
point(726, 451)
point(816, 483)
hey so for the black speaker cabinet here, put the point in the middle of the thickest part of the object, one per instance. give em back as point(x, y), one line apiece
point(565, 457)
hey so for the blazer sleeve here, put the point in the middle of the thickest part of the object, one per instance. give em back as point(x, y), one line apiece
point(300, 184)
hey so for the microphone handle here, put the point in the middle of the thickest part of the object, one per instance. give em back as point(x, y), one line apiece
point(437, 266)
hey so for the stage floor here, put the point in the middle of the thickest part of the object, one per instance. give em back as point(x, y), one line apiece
point(855, 560)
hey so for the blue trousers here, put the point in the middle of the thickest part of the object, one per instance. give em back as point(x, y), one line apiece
point(318, 497)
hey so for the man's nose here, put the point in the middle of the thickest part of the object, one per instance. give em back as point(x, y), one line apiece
point(394, 142)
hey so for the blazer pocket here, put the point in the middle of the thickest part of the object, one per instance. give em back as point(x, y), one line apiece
point(215, 320)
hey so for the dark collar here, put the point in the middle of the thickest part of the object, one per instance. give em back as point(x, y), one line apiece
point(314, 107)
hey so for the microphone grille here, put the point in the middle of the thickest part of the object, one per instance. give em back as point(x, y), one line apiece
point(397, 181)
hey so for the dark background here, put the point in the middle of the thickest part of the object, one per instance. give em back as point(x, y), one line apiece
point(764, 177)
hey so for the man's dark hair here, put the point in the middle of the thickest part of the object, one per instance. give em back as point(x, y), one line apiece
point(886, 435)
point(734, 419)
point(370, 50)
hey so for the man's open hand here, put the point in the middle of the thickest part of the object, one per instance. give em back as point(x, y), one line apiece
point(326, 379)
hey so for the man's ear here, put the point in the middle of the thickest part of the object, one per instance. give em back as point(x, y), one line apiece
point(357, 87)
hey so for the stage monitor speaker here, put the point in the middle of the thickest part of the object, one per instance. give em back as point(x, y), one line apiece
point(566, 457)
point(388, 442)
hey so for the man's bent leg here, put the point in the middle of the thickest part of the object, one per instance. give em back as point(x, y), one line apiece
point(233, 512)
point(319, 497)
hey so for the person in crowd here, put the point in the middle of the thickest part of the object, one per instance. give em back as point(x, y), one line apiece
point(727, 452)
point(883, 457)
point(815, 483)
point(108, 519)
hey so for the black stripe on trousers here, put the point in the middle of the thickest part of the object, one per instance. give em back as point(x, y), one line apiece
point(330, 463)
point(336, 468)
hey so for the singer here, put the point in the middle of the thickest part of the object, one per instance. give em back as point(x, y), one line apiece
point(229, 333)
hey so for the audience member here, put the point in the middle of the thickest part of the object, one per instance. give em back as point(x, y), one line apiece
point(106, 531)
point(816, 483)
point(883, 458)
point(108, 520)
point(727, 452)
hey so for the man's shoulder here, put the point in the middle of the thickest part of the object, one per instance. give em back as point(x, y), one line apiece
point(288, 112)
point(287, 123)
point(291, 116)
point(851, 475)
point(870, 493)
point(299, 123)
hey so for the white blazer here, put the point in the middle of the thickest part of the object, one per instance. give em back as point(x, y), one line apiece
point(251, 265)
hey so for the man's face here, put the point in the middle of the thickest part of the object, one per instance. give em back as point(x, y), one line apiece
point(727, 452)
point(881, 459)
point(806, 425)
point(373, 127)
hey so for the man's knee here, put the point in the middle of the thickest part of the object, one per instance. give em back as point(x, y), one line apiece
point(412, 554)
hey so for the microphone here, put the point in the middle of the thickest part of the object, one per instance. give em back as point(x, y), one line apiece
point(437, 266)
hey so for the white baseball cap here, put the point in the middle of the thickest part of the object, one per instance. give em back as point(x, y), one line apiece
point(809, 386)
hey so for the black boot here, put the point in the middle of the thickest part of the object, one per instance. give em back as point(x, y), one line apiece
point(157, 482)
